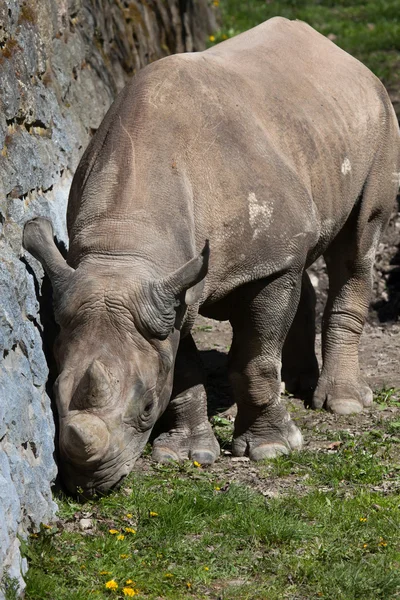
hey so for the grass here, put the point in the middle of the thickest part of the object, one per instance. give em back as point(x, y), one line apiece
point(369, 30)
point(225, 544)
point(388, 397)
point(190, 532)
point(370, 460)
point(223, 429)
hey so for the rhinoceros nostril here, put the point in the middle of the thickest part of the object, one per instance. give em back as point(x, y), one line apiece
point(85, 438)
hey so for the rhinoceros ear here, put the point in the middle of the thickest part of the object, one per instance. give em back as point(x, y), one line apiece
point(38, 239)
point(183, 287)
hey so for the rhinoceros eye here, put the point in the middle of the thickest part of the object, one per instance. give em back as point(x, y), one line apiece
point(149, 407)
point(140, 409)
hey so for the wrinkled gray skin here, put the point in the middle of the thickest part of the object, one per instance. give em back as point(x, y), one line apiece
point(277, 147)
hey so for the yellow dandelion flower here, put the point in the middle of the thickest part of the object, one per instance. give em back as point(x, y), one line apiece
point(120, 537)
point(124, 555)
point(111, 585)
point(382, 543)
point(188, 585)
point(153, 514)
point(113, 531)
point(105, 573)
point(130, 530)
point(217, 489)
point(128, 591)
point(129, 515)
point(212, 38)
point(365, 545)
point(216, 3)
point(168, 575)
point(206, 569)
point(196, 464)
point(129, 581)
point(362, 519)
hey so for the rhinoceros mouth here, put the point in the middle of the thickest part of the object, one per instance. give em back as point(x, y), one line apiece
point(101, 476)
point(86, 485)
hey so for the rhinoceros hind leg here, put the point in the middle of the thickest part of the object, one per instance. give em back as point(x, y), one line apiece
point(300, 370)
point(187, 433)
point(349, 261)
point(261, 316)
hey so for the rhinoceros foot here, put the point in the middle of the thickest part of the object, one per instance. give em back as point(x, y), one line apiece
point(275, 441)
point(198, 444)
point(342, 397)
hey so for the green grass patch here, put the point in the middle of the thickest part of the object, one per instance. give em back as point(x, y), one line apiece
point(387, 397)
point(369, 460)
point(370, 31)
point(223, 429)
point(197, 536)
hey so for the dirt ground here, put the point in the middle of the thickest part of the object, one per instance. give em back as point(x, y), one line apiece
point(379, 360)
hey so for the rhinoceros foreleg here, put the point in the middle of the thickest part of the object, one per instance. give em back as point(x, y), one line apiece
point(187, 431)
point(349, 260)
point(261, 316)
point(300, 369)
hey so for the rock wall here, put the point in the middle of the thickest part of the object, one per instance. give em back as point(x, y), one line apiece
point(61, 64)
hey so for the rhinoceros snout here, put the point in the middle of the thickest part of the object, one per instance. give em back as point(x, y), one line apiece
point(85, 438)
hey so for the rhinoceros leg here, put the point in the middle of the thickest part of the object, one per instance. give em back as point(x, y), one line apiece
point(262, 313)
point(300, 369)
point(349, 260)
point(187, 431)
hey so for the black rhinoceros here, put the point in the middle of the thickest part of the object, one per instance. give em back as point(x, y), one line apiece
point(276, 147)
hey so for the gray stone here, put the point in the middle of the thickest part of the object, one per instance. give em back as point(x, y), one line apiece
point(85, 524)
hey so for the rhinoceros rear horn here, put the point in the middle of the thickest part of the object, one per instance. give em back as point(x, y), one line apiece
point(38, 239)
point(184, 286)
point(98, 386)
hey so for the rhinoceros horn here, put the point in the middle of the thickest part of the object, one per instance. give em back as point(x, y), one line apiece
point(185, 285)
point(38, 239)
point(85, 438)
point(99, 385)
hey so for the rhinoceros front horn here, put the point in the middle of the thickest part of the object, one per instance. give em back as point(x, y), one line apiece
point(85, 439)
point(38, 239)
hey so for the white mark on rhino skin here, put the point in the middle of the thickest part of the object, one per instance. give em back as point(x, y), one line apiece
point(260, 214)
point(346, 166)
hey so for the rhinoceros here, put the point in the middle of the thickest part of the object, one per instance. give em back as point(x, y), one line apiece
point(215, 179)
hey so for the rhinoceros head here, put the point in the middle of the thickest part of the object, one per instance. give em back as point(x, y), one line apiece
point(116, 349)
